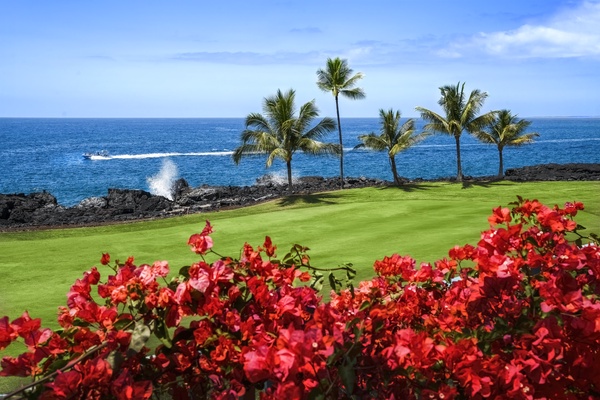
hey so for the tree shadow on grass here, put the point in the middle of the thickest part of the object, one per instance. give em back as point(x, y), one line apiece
point(481, 183)
point(409, 187)
point(317, 198)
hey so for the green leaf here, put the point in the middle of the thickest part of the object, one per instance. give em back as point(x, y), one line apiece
point(529, 291)
point(122, 323)
point(162, 333)
point(80, 322)
point(348, 376)
point(333, 282)
point(364, 305)
point(184, 271)
point(317, 281)
point(352, 324)
point(57, 364)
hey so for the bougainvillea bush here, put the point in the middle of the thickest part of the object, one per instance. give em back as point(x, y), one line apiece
point(515, 317)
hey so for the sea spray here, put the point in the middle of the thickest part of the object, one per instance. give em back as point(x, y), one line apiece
point(162, 183)
point(275, 179)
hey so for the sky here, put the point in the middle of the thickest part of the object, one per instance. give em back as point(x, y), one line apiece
point(200, 58)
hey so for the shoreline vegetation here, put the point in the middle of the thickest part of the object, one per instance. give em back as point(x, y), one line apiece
point(22, 212)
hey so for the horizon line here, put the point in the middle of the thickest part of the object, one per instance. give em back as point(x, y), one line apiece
point(361, 117)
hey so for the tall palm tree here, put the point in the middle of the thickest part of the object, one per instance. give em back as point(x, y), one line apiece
point(461, 113)
point(279, 133)
point(394, 137)
point(337, 78)
point(506, 130)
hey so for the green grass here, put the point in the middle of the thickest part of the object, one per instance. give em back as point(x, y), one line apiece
point(356, 226)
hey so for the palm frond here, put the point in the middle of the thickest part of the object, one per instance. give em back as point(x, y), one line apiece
point(321, 129)
point(353, 94)
point(316, 148)
point(505, 129)
point(257, 121)
point(486, 137)
point(262, 139)
point(246, 150)
point(308, 112)
point(480, 123)
point(435, 122)
point(280, 153)
point(337, 77)
point(373, 141)
point(524, 139)
point(405, 140)
point(472, 106)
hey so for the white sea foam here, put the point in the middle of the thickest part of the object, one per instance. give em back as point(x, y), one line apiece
point(161, 155)
point(164, 155)
point(568, 140)
point(161, 184)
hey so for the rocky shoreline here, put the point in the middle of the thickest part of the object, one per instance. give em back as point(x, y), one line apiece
point(42, 211)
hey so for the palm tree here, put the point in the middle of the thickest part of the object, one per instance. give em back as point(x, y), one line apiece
point(337, 78)
point(461, 114)
point(279, 133)
point(394, 137)
point(506, 130)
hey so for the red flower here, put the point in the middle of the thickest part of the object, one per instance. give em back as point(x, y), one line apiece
point(105, 259)
point(256, 365)
point(200, 243)
point(555, 221)
point(500, 216)
point(396, 266)
point(124, 388)
point(208, 229)
point(269, 248)
point(7, 333)
point(65, 386)
point(465, 252)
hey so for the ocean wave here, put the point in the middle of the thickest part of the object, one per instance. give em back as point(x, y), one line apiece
point(567, 140)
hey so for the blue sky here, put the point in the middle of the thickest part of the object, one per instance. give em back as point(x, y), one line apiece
point(220, 59)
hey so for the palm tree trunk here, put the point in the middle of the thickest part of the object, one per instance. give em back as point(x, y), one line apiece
point(337, 109)
point(459, 174)
point(394, 171)
point(501, 167)
point(289, 174)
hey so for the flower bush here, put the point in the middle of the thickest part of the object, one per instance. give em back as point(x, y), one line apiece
point(515, 317)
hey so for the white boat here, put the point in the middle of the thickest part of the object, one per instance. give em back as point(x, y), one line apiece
point(102, 154)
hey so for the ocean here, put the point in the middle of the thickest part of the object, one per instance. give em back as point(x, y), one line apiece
point(39, 154)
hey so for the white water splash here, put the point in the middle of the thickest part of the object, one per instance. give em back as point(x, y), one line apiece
point(275, 179)
point(161, 184)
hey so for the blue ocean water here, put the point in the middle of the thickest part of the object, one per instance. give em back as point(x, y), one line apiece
point(39, 154)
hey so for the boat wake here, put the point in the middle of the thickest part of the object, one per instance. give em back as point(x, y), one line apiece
point(161, 155)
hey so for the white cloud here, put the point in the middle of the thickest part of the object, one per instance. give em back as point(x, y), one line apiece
point(569, 34)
